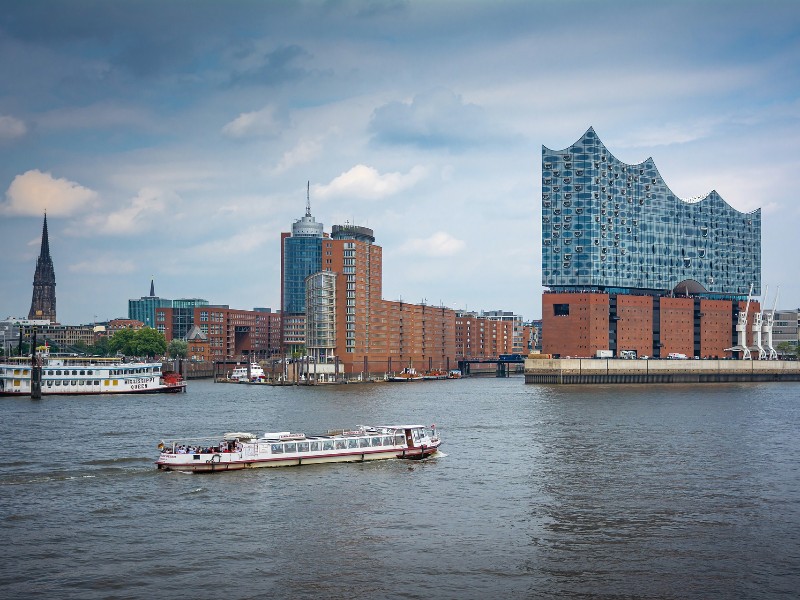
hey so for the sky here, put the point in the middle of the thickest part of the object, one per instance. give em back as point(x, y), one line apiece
point(174, 140)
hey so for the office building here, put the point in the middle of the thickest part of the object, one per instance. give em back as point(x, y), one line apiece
point(144, 309)
point(229, 333)
point(301, 256)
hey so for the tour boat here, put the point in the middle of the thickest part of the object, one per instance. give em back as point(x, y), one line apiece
point(240, 373)
point(407, 374)
point(70, 376)
point(234, 451)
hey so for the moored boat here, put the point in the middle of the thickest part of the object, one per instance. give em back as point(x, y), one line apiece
point(74, 376)
point(235, 451)
point(407, 374)
point(240, 373)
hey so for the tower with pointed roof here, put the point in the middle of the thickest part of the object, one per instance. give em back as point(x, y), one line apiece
point(43, 304)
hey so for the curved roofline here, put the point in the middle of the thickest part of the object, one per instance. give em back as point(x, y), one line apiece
point(691, 200)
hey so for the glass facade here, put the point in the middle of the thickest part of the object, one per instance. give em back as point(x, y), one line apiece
point(144, 309)
point(610, 225)
point(302, 256)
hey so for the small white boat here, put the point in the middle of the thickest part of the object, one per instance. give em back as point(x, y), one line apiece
point(234, 451)
point(240, 373)
point(407, 374)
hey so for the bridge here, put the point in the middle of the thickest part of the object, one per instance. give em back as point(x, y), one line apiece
point(502, 364)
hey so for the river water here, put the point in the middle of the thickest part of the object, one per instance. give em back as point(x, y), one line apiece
point(544, 492)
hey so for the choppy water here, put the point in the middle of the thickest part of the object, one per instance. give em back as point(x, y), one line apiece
point(544, 492)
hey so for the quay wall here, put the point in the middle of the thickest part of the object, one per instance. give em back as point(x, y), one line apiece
point(615, 370)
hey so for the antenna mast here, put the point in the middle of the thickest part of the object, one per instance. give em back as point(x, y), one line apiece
point(308, 199)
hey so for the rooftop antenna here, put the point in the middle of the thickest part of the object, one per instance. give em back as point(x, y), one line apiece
point(308, 199)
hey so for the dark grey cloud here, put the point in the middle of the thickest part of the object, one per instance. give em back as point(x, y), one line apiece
point(282, 65)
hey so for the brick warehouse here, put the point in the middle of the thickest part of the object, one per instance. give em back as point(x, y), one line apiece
point(629, 266)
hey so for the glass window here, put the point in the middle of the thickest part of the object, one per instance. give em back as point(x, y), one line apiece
point(316, 446)
point(387, 441)
point(277, 448)
point(302, 446)
point(363, 442)
point(376, 441)
point(352, 443)
point(341, 444)
point(289, 447)
point(327, 445)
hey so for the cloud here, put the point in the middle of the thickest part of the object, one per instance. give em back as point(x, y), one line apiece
point(363, 182)
point(439, 244)
point(134, 218)
point(275, 67)
point(435, 119)
point(302, 153)
point(103, 265)
point(34, 192)
point(11, 128)
point(236, 245)
point(257, 123)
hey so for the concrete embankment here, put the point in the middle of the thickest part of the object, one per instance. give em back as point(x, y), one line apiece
point(596, 370)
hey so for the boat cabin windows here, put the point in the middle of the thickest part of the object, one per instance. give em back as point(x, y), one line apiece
point(290, 447)
point(352, 443)
point(302, 446)
point(277, 448)
point(327, 445)
point(363, 442)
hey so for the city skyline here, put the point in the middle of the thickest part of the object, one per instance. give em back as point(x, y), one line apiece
point(175, 141)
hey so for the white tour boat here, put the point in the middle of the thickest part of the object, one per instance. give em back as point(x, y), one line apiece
point(282, 449)
point(68, 376)
point(240, 373)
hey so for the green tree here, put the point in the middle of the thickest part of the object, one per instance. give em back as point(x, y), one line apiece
point(101, 346)
point(149, 342)
point(123, 342)
point(178, 349)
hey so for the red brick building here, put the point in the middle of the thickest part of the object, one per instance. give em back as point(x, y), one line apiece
point(231, 333)
point(580, 324)
point(347, 320)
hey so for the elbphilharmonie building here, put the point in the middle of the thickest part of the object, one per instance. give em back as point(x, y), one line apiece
point(608, 225)
point(629, 267)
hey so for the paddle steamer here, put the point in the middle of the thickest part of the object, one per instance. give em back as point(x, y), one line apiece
point(71, 376)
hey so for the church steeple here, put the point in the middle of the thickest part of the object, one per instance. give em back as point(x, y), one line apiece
point(43, 303)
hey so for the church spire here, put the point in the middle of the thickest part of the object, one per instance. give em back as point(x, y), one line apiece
point(43, 303)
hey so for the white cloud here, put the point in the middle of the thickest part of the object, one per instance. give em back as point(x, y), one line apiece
point(235, 246)
point(34, 192)
point(11, 128)
point(302, 153)
point(135, 217)
point(103, 265)
point(439, 244)
point(363, 182)
point(257, 123)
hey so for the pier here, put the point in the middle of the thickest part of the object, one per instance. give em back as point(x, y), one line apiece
point(615, 370)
